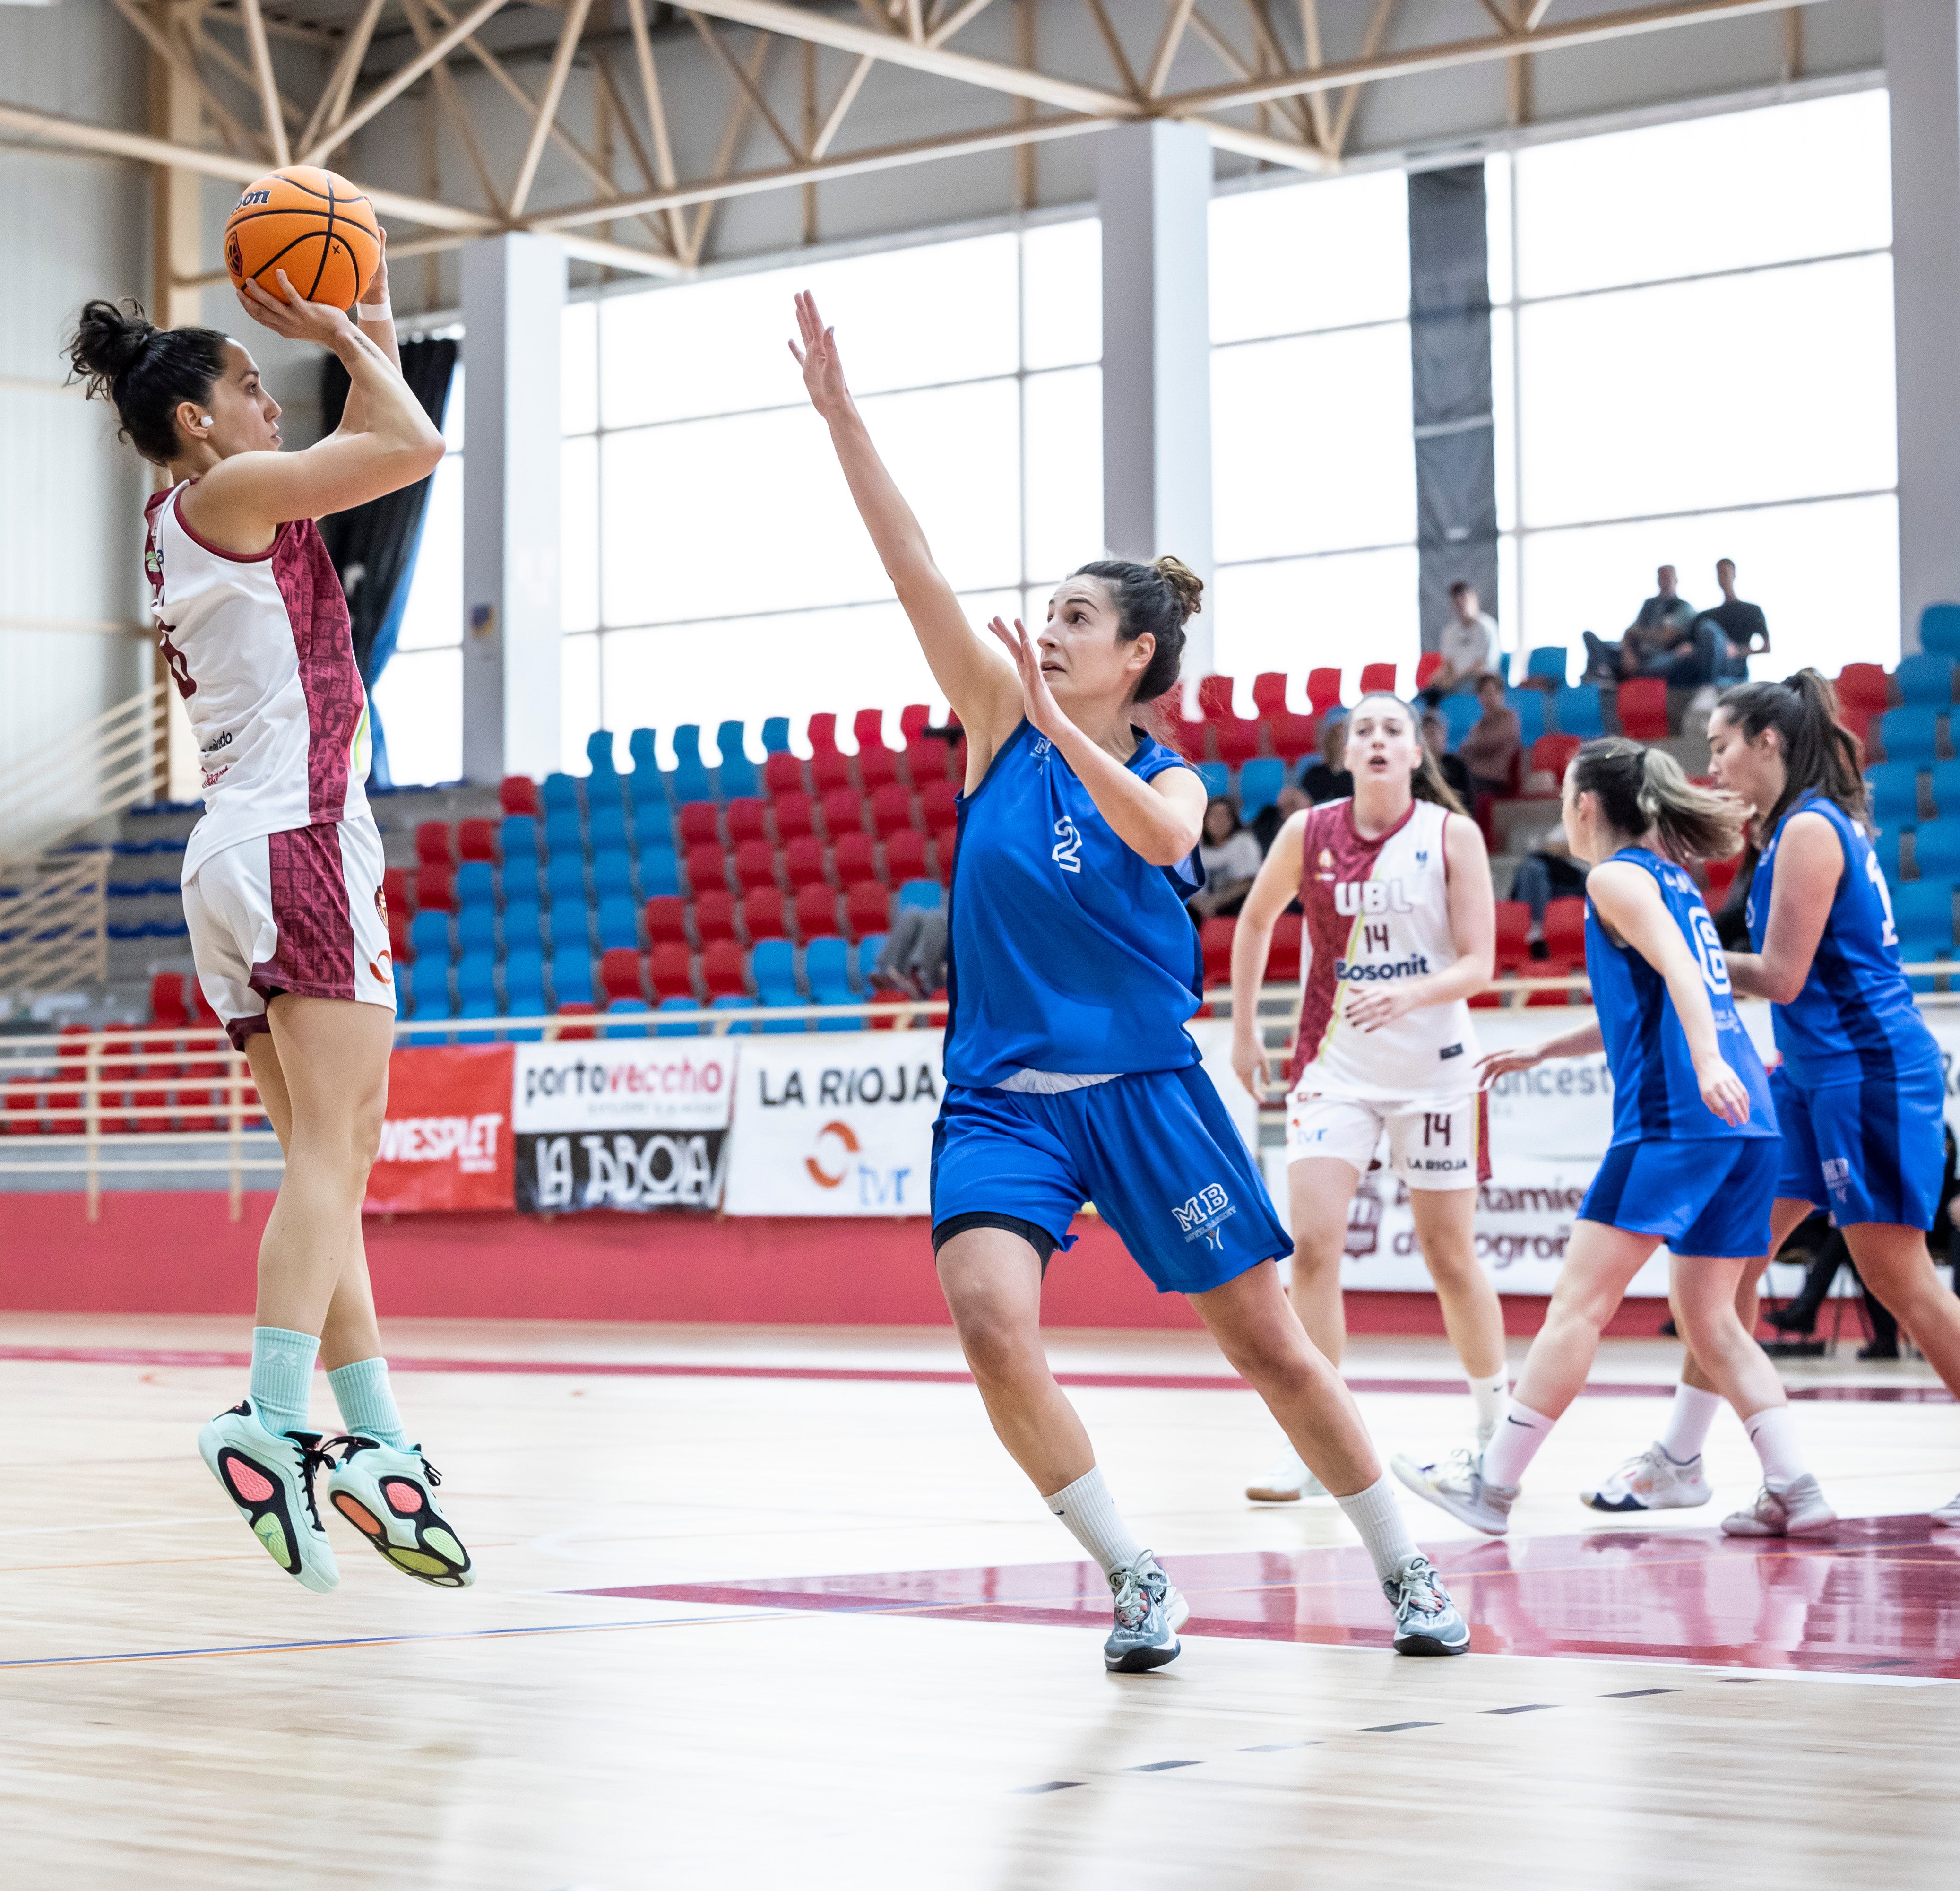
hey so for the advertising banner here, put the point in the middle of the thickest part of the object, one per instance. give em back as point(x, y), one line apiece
point(446, 1142)
point(633, 1123)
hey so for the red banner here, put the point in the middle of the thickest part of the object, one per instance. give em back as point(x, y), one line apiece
point(447, 1141)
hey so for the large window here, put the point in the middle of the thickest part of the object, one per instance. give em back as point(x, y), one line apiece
point(1693, 348)
point(715, 566)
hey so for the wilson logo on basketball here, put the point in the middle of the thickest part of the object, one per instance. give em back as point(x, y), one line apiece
point(255, 196)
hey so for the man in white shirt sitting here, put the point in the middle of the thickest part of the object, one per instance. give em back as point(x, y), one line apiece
point(1467, 644)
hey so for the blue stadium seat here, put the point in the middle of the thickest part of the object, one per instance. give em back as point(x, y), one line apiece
point(476, 981)
point(612, 874)
point(776, 736)
point(1939, 628)
point(571, 973)
point(564, 832)
point(1217, 777)
point(640, 747)
point(428, 983)
point(1576, 711)
point(653, 825)
point(428, 933)
point(1460, 713)
point(523, 924)
point(559, 792)
point(923, 894)
point(1548, 659)
point(676, 1030)
point(868, 949)
point(476, 884)
point(1946, 786)
point(773, 964)
point(1927, 678)
point(1894, 787)
point(631, 1010)
point(1936, 848)
point(730, 1002)
point(737, 777)
point(1924, 911)
point(520, 837)
point(1908, 734)
point(524, 982)
point(476, 929)
point(619, 922)
point(565, 878)
point(1260, 780)
point(606, 827)
point(1885, 849)
point(826, 965)
point(690, 781)
point(599, 753)
point(481, 1007)
point(1530, 706)
point(660, 873)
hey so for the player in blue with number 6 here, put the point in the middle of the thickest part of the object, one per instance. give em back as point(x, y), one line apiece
point(1072, 968)
point(1861, 1089)
point(1695, 1152)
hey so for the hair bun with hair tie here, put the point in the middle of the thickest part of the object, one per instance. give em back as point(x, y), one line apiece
point(1185, 583)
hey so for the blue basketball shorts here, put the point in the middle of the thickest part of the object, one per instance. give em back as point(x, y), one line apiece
point(1874, 1150)
point(1709, 1196)
point(1156, 1153)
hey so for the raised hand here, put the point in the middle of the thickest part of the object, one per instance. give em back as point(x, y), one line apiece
point(822, 371)
point(296, 319)
point(1038, 702)
point(1495, 1063)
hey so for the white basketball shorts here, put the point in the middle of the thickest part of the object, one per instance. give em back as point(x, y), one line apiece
point(1434, 1142)
point(301, 912)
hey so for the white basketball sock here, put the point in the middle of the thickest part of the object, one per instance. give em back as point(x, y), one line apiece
point(1491, 1397)
point(1376, 1514)
point(1773, 1431)
point(1089, 1514)
point(1688, 1421)
point(1507, 1455)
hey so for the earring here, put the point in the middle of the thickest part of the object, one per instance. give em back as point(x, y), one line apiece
point(204, 420)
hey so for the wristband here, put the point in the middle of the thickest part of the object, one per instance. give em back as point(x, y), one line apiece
point(375, 311)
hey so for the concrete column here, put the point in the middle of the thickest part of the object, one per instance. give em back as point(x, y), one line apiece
point(1922, 71)
point(513, 298)
point(1153, 189)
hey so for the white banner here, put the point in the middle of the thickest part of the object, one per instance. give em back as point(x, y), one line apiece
point(681, 1082)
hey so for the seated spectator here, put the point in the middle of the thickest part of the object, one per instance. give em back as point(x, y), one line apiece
point(913, 963)
point(1661, 636)
point(1733, 631)
point(1494, 742)
point(1454, 769)
point(1231, 855)
point(1267, 823)
point(1467, 644)
point(1328, 779)
point(1548, 872)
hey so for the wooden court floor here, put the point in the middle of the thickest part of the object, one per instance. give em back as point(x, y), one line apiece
point(762, 1608)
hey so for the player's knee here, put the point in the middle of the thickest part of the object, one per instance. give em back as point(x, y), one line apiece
point(998, 1346)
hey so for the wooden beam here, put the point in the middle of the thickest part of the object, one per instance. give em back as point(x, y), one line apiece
point(834, 123)
point(1168, 41)
point(181, 63)
point(332, 106)
point(649, 87)
point(398, 82)
point(541, 126)
point(269, 87)
point(1377, 31)
point(452, 107)
point(946, 28)
point(743, 83)
point(1125, 72)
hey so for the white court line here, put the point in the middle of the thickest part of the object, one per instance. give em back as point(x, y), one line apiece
point(146, 1523)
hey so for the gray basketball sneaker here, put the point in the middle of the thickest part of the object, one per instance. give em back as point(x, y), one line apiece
point(1426, 1619)
point(1651, 1481)
point(1149, 1613)
point(1286, 1483)
point(1795, 1509)
point(1457, 1485)
point(1949, 1512)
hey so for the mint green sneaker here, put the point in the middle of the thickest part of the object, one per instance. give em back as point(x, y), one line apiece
point(269, 1477)
point(389, 1496)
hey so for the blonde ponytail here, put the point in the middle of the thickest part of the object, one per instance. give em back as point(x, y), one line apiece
point(1643, 795)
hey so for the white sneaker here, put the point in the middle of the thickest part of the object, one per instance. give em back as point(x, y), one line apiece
point(269, 1478)
point(1651, 1481)
point(1949, 1512)
point(1797, 1509)
point(1457, 1485)
point(1286, 1483)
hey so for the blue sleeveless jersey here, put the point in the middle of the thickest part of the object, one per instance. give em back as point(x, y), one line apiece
point(1655, 1097)
point(1067, 950)
point(1854, 1021)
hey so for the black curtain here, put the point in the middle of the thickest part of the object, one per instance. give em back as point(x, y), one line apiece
point(372, 547)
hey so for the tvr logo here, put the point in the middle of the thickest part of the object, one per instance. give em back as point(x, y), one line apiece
point(1067, 851)
point(1354, 896)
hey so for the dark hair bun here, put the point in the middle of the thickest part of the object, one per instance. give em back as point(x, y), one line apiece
point(108, 342)
point(1185, 583)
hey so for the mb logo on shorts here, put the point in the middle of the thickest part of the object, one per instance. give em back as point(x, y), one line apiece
point(1203, 1216)
point(1837, 1177)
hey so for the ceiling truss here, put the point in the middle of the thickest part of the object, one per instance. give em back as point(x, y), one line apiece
point(1277, 96)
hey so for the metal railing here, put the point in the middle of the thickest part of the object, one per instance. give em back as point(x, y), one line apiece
point(54, 922)
point(113, 761)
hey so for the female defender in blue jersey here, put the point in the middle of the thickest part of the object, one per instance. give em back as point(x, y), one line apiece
point(1695, 1151)
point(1860, 1090)
point(1072, 968)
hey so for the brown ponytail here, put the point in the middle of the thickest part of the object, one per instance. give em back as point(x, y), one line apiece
point(1643, 795)
point(1818, 752)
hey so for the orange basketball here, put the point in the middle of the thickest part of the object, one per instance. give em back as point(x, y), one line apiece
point(312, 225)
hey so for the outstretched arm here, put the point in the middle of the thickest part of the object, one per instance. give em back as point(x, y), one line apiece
point(380, 330)
point(981, 687)
point(1810, 861)
point(243, 500)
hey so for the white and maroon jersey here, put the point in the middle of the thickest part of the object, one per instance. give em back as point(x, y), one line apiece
point(261, 650)
point(1378, 910)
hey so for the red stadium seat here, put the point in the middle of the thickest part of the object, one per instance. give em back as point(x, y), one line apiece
point(1323, 689)
point(1378, 675)
point(1721, 878)
point(434, 889)
point(1215, 937)
point(822, 731)
point(724, 970)
point(1186, 737)
point(434, 845)
point(670, 972)
point(1554, 967)
point(748, 819)
point(843, 812)
point(832, 771)
point(700, 822)
point(764, 914)
point(1643, 707)
point(1503, 968)
point(666, 920)
point(1214, 699)
point(816, 912)
point(714, 917)
point(1427, 665)
point(804, 862)
point(867, 908)
point(1864, 686)
point(795, 817)
point(398, 889)
point(914, 717)
point(855, 858)
point(519, 795)
point(891, 811)
point(1269, 690)
point(754, 865)
point(1513, 922)
point(167, 1000)
point(1234, 742)
point(939, 802)
point(876, 764)
point(1565, 928)
point(1552, 754)
point(943, 843)
point(930, 758)
point(619, 970)
point(1283, 960)
point(576, 1033)
point(1289, 736)
point(905, 857)
point(399, 947)
point(23, 1103)
point(782, 774)
point(707, 868)
point(477, 840)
